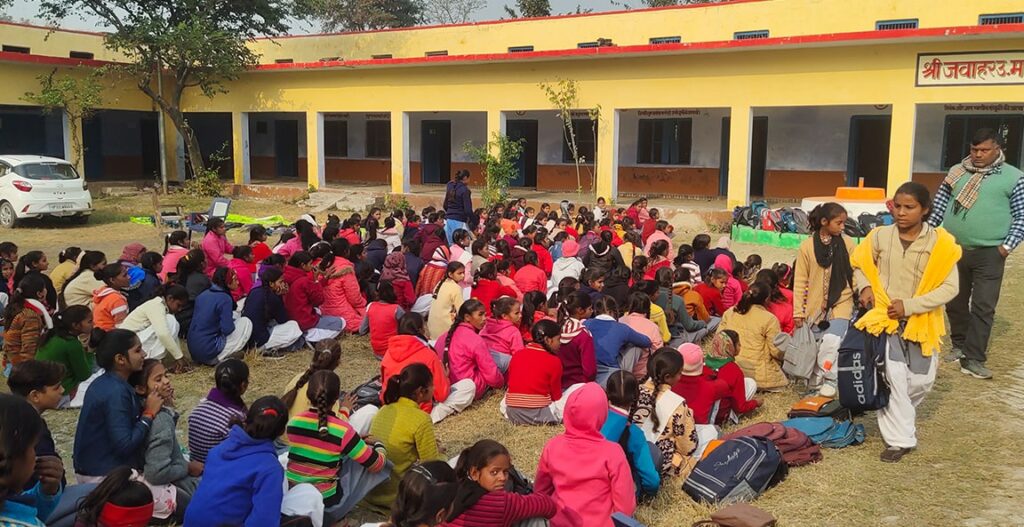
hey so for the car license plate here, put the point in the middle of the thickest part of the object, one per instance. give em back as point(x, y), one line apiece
point(61, 206)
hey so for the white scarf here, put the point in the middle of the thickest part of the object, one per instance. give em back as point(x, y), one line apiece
point(38, 307)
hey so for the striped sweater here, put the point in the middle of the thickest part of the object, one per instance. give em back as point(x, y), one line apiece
point(315, 458)
point(502, 509)
point(210, 422)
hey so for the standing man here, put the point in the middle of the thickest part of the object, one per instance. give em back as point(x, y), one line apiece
point(981, 202)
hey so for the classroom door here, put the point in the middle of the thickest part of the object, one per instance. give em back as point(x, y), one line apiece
point(286, 148)
point(869, 150)
point(436, 151)
point(524, 130)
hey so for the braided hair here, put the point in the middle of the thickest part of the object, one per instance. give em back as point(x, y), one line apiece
point(664, 364)
point(452, 268)
point(326, 356)
point(323, 391)
point(623, 391)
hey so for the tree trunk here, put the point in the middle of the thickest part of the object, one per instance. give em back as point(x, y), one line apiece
point(173, 111)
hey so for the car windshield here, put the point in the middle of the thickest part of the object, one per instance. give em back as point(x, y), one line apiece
point(46, 171)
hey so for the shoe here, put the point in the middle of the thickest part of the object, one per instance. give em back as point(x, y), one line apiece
point(953, 355)
point(894, 454)
point(272, 354)
point(975, 369)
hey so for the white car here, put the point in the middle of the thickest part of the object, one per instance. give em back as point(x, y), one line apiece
point(37, 186)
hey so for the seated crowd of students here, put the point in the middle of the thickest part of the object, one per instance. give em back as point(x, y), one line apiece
point(592, 319)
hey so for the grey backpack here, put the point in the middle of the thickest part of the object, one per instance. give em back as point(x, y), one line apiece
point(800, 353)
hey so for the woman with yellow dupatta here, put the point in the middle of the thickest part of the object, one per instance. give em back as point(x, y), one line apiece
point(906, 273)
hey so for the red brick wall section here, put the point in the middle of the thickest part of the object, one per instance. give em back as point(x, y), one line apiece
point(798, 184)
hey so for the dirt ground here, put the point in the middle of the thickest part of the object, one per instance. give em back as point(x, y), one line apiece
point(967, 470)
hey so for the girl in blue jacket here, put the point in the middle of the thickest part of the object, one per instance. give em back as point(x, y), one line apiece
point(214, 334)
point(616, 345)
point(623, 391)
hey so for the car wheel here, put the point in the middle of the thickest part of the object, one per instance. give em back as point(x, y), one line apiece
point(8, 218)
point(80, 220)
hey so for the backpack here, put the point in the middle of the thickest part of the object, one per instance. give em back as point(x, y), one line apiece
point(886, 218)
point(769, 219)
point(368, 393)
point(741, 469)
point(868, 222)
point(853, 229)
point(745, 216)
point(796, 448)
point(757, 206)
point(788, 223)
point(828, 432)
point(802, 221)
point(800, 354)
point(861, 371)
point(818, 406)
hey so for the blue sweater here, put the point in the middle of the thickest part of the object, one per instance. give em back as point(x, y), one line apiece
point(212, 322)
point(110, 430)
point(638, 451)
point(460, 207)
point(262, 307)
point(241, 485)
point(610, 336)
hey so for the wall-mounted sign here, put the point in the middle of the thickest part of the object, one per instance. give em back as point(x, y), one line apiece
point(668, 113)
point(988, 108)
point(990, 68)
point(377, 116)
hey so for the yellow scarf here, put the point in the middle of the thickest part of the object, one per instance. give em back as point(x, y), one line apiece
point(925, 328)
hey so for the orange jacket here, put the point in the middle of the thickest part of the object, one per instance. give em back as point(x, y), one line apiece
point(110, 308)
point(404, 350)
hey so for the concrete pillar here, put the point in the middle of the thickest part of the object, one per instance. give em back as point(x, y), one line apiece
point(240, 147)
point(315, 169)
point(71, 136)
point(496, 125)
point(606, 182)
point(901, 146)
point(399, 152)
point(741, 124)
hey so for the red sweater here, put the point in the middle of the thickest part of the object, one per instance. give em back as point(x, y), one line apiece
point(534, 378)
point(531, 278)
point(579, 364)
point(732, 376)
point(701, 392)
point(712, 298)
point(383, 325)
point(502, 509)
point(544, 260)
point(487, 291)
point(404, 293)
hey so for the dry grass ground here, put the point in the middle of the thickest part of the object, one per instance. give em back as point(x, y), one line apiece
point(967, 470)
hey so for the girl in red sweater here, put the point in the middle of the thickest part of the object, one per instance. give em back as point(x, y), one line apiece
point(579, 363)
point(487, 288)
point(484, 496)
point(535, 380)
point(535, 309)
point(381, 319)
point(720, 364)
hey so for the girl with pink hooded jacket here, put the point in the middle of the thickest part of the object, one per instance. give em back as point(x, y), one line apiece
point(733, 290)
point(342, 297)
point(587, 475)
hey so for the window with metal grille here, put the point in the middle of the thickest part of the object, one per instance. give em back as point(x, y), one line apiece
point(666, 40)
point(1001, 18)
point(587, 44)
point(81, 55)
point(378, 139)
point(664, 141)
point(439, 53)
point(885, 25)
point(749, 35)
point(381, 57)
point(16, 49)
point(586, 142)
point(336, 138)
point(284, 61)
point(520, 49)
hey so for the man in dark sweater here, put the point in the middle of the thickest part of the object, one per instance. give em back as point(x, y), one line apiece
point(981, 203)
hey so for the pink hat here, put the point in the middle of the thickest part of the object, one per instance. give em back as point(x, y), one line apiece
point(570, 248)
point(693, 359)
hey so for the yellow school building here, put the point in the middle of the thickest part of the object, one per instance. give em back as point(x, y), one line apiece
point(765, 98)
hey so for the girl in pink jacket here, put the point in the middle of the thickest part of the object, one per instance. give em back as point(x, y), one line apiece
point(465, 353)
point(342, 297)
point(175, 246)
point(587, 475)
point(215, 245)
point(241, 259)
point(733, 290)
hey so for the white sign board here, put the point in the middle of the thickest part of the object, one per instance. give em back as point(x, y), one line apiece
point(990, 68)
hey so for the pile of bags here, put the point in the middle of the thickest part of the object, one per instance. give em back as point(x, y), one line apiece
point(759, 215)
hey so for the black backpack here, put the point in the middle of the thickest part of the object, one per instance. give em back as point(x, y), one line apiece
point(868, 222)
point(853, 229)
point(861, 371)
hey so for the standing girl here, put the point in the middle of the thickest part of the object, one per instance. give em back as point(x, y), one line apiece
point(576, 348)
point(906, 273)
point(215, 245)
point(211, 419)
point(465, 354)
point(25, 320)
point(110, 307)
point(404, 429)
point(823, 282)
point(175, 246)
point(664, 417)
point(482, 499)
point(447, 300)
point(757, 329)
point(458, 205)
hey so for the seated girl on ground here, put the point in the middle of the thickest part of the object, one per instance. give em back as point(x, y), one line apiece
point(110, 306)
point(241, 263)
point(502, 332)
point(664, 417)
point(155, 324)
point(62, 345)
point(405, 430)
point(22, 429)
point(272, 331)
point(644, 458)
point(721, 365)
point(409, 346)
point(26, 320)
point(319, 438)
point(448, 299)
point(465, 354)
point(484, 495)
point(118, 500)
point(211, 419)
point(381, 319)
point(214, 334)
point(425, 496)
point(304, 295)
point(535, 394)
point(757, 327)
point(576, 349)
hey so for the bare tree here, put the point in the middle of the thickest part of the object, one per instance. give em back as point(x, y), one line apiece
point(451, 11)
